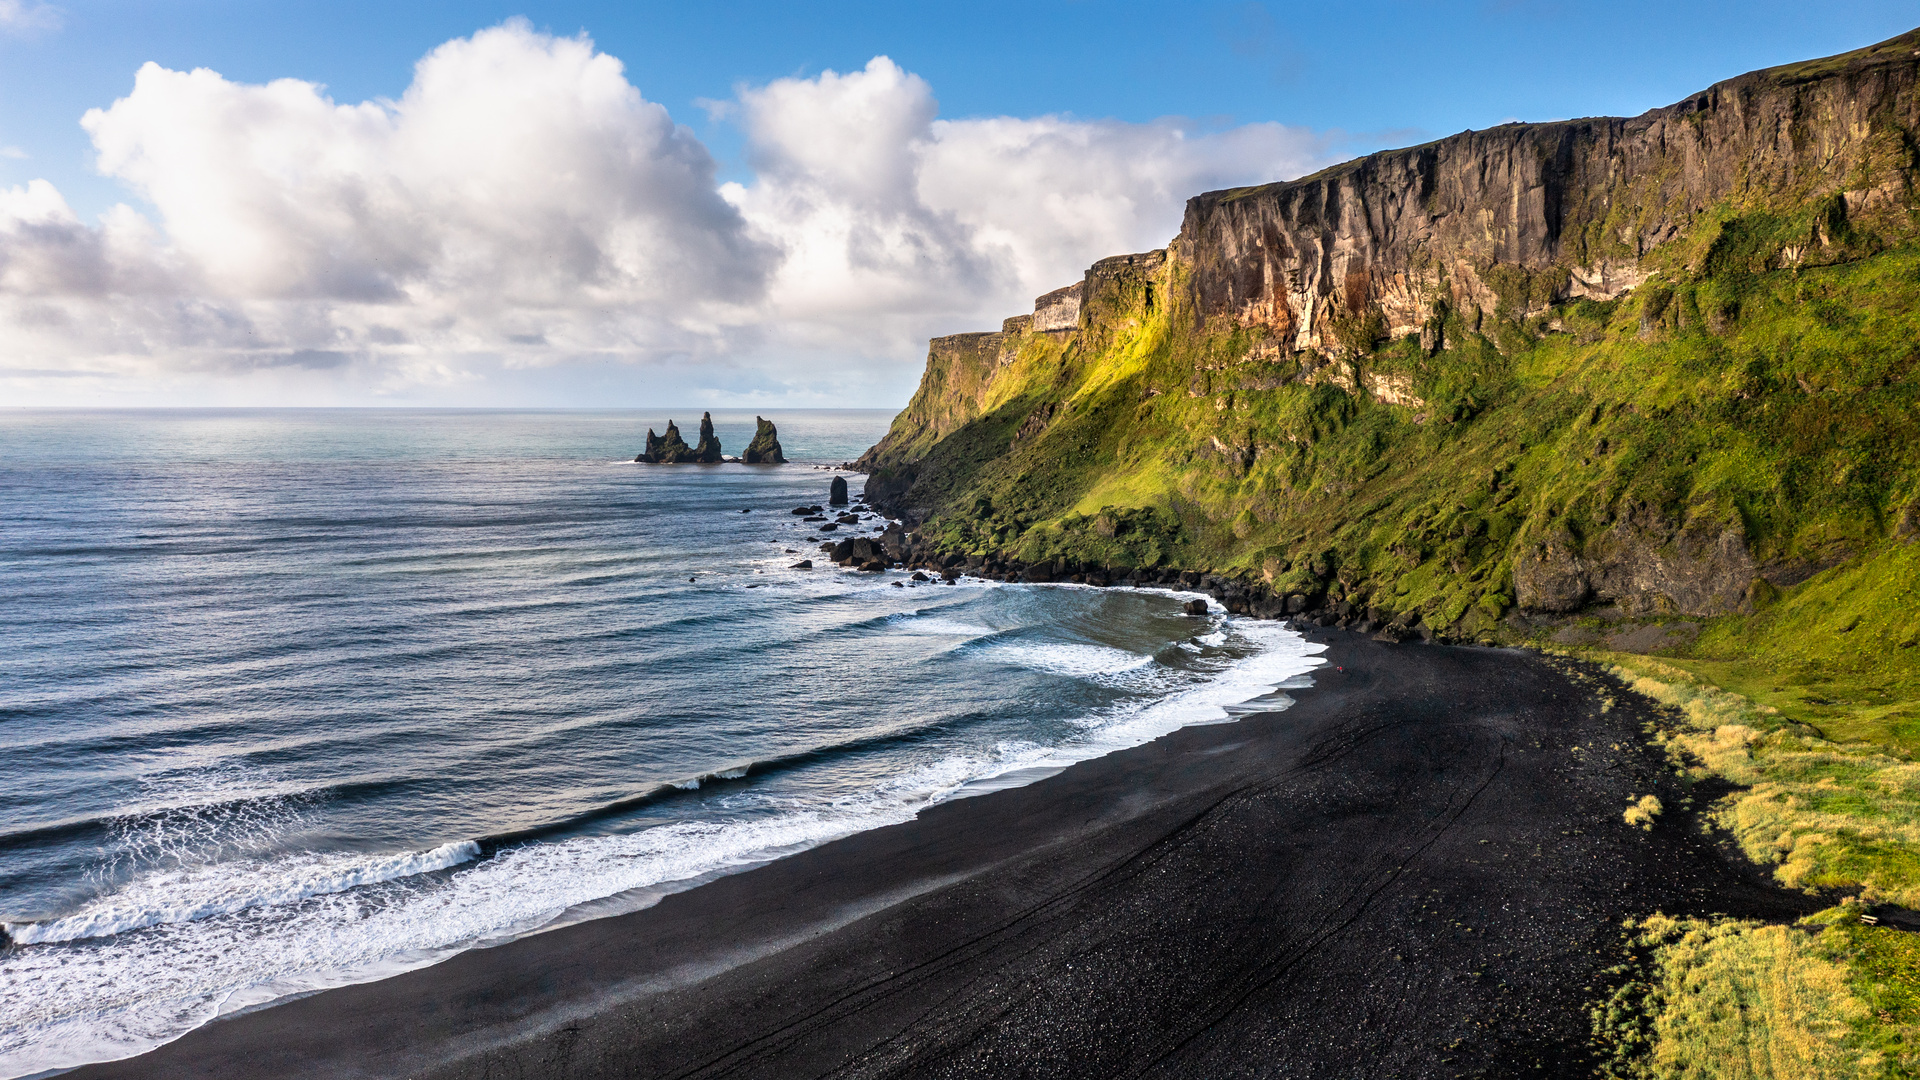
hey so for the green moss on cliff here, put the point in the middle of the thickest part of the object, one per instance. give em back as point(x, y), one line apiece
point(1777, 406)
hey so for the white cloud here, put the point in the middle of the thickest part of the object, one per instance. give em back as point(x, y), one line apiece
point(897, 224)
point(13, 152)
point(522, 205)
point(23, 18)
point(520, 201)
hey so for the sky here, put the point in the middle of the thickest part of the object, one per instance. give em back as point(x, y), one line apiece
point(721, 204)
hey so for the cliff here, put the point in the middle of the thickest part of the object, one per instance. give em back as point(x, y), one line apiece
point(1545, 367)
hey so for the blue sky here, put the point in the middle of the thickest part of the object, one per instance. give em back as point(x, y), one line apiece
point(1354, 77)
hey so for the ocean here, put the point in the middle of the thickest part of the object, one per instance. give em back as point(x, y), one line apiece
point(298, 698)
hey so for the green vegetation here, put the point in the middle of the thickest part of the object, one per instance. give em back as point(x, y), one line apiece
point(1727, 998)
point(1780, 407)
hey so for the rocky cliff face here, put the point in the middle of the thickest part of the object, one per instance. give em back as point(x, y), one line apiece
point(1345, 372)
point(1527, 215)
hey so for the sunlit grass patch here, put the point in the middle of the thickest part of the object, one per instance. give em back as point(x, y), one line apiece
point(1739, 1000)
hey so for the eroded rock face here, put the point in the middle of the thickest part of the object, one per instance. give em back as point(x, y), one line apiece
point(1523, 215)
point(765, 447)
point(1645, 565)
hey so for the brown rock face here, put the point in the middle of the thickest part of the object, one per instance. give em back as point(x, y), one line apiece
point(1527, 214)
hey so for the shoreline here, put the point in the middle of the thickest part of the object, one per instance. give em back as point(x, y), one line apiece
point(1413, 866)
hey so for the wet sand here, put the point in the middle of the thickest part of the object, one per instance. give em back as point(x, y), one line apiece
point(1419, 870)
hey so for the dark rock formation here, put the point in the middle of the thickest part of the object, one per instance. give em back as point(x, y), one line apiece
point(803, 564)
point(708, 449)
point(671, 449)
point(1194, 607)
point(837, 493)
point(765, 447)
point(668, 449)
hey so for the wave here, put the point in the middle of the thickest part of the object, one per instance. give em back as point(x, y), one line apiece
point(179, 944)
point(1062, 658)
point(222, 890)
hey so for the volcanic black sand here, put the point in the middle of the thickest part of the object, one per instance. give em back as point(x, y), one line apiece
point(1419, 870)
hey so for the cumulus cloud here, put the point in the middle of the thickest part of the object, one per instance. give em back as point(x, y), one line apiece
point(521, 204)
point(896, 224)
point(520, 199)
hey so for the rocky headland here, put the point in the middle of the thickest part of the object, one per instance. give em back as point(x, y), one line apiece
point(1601, 365)
point(1644, 389)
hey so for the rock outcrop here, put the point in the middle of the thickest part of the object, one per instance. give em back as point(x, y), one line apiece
point(837, 492)
point(765, 447)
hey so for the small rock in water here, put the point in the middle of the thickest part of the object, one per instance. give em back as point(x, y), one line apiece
point(918, 576)
point(829, 526)
point(828, 546)
point(803, 564)
point(837, 493)
point(873, 566)
point(790, 551)
point(802, 510)
point(746, 511)
point(1194, 607)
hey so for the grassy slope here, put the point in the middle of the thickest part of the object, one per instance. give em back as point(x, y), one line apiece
point(1783, 403)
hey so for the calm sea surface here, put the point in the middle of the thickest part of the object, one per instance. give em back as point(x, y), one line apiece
point(290, 699)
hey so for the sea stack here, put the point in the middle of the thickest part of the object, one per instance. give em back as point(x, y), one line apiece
point(671, 449)
point(765, 447)
point(666, 450)
point(708, 449)
point(837, 494)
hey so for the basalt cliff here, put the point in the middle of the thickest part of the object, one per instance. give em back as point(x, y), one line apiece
point(1647, 368)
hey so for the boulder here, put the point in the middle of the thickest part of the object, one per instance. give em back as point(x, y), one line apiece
point(765, 447)
point(801, 511)
point(1194, 607)
point(829, 527)
point(837, 493)
point(872, 566)
point(803, 564)
point(918, 576)
point(842, 551)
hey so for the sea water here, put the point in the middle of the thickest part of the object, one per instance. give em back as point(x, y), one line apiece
point(293, 699)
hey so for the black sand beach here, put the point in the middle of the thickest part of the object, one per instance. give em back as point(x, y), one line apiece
point(1417, 871)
